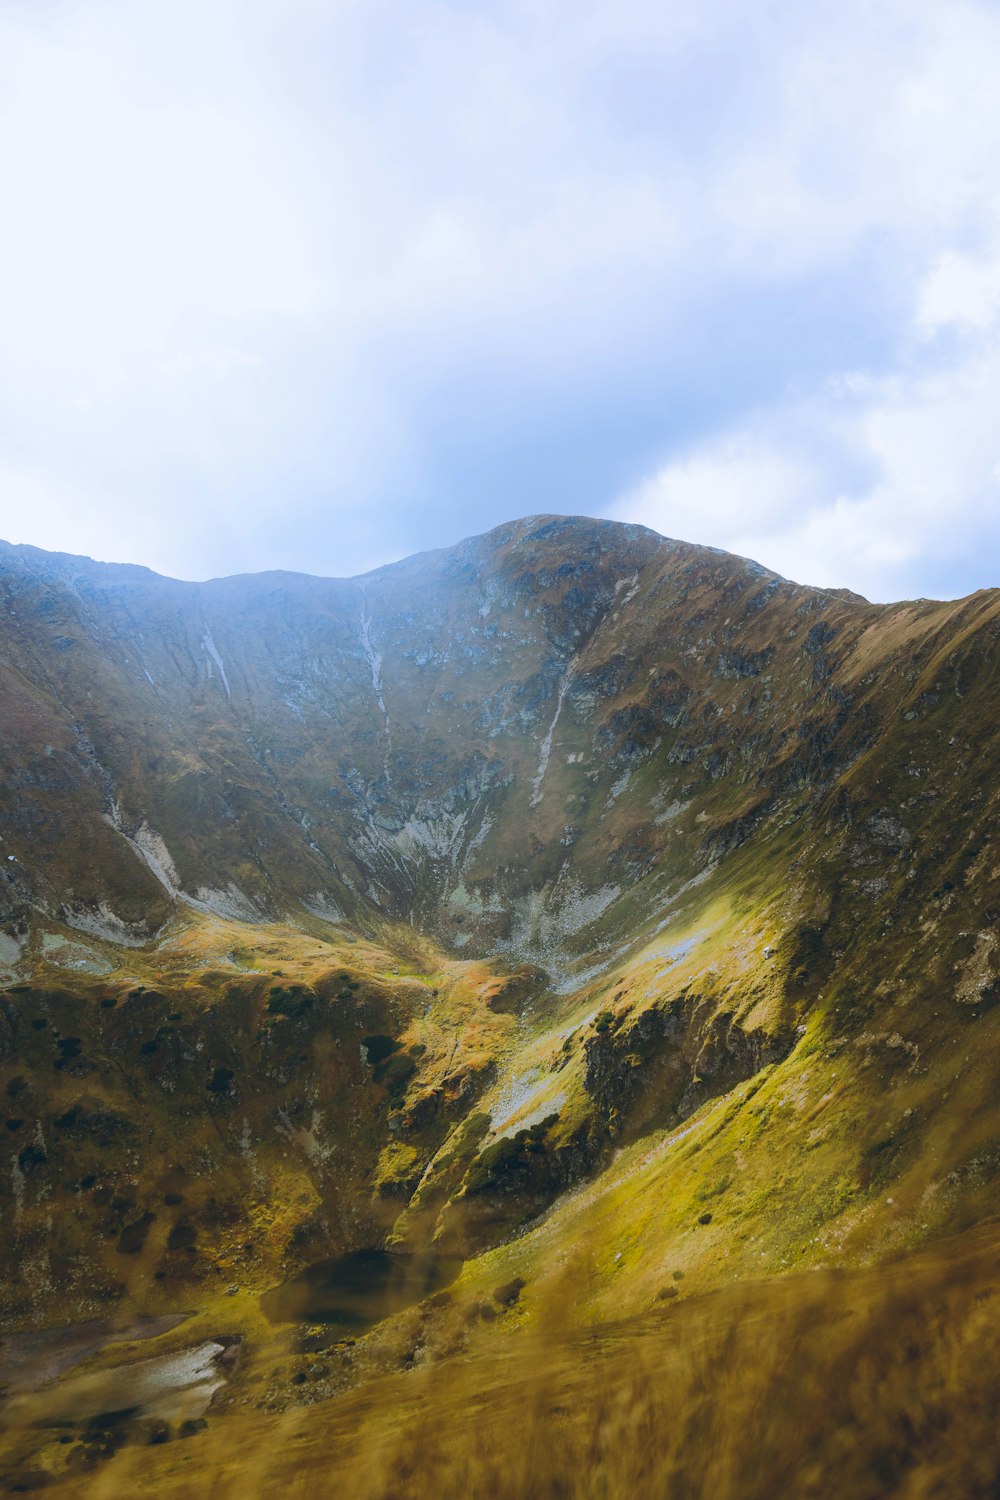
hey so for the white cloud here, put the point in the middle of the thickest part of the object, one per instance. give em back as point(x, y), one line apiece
point(961, 290)
point(126, 219)
point(244, 257)
point(716, 495)
point(928, 446)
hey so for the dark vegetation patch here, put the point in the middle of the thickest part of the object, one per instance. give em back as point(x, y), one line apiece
point(88, 1120)
point(515, 1163)
point(393, 1068)
point(133, 1237)
point(379, 1048)
point(509, 1292)
point(294, 1001)
point(183, 1236)
point(68, 1048)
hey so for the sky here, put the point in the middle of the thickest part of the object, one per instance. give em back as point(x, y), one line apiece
point(315, 284)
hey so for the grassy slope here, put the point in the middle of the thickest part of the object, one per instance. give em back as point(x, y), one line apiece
point(878, 1132)
point(868, 1383)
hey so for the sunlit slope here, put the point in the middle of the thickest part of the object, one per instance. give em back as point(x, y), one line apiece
point(872, 1383)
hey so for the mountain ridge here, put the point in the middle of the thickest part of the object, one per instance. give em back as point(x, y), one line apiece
point(286, 591)
point(506, 530)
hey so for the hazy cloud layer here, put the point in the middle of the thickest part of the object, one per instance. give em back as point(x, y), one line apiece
point(316, 284)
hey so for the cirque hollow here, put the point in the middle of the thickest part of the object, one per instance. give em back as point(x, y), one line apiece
point(383, 912)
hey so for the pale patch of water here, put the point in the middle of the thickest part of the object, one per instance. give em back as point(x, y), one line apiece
point(173, 1387)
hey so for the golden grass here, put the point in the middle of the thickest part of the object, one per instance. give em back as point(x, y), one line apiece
point(852, 1385)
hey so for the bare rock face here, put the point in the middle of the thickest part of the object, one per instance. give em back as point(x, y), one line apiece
point(485, 739)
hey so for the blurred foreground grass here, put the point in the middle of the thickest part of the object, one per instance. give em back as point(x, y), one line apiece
point(873, 1382)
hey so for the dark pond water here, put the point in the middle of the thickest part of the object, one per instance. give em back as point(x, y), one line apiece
point(354, 1292)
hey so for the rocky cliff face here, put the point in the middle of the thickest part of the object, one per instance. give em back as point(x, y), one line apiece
point(526, 743)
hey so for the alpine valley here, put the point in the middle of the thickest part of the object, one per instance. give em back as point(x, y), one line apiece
point(522, 1023)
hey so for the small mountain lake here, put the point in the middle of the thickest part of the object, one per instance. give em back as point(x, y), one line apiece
point(354, 1292)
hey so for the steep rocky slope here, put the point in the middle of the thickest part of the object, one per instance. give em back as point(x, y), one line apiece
point(472, 738)
point(582, 904)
